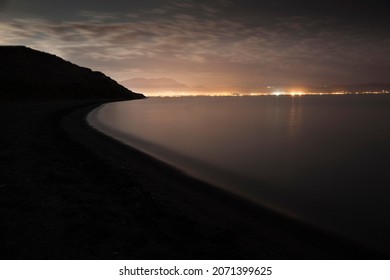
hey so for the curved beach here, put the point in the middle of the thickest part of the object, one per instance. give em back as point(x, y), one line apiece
point(109, 201)
point(70, 192)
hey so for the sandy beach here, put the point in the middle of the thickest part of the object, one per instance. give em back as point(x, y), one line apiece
point(69, 192)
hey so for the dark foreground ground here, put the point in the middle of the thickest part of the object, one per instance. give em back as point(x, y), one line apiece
point(67, 192)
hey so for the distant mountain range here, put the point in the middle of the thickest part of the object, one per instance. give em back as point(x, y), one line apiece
point(27, 74)
point(155, 85)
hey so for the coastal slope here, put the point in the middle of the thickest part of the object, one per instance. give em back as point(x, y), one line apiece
point(27, 74)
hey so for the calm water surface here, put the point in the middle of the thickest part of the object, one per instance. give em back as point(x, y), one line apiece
point(321, 159)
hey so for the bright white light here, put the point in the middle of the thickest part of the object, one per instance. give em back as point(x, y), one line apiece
point(296, 93)
point(277, 93)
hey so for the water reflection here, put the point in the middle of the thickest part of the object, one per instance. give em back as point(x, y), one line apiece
point(323, 159)
point(294, 122)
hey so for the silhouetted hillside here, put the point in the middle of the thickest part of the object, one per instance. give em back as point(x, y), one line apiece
point(27, 74)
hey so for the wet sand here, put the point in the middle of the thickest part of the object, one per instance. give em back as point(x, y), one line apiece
point(69, 192)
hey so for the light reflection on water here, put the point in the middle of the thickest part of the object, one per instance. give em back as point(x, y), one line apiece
point(321, 159)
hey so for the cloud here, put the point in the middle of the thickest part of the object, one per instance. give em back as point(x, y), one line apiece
point(198, 41)
point(2, 4)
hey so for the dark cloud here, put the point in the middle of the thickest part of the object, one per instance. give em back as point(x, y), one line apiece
point(3, 3)
point(340, 8)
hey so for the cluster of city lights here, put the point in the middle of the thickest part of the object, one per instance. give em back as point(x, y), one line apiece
point(293, 93)
point(274, 93)
point(298, 93)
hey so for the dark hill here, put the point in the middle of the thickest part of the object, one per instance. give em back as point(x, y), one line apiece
point(27, 74)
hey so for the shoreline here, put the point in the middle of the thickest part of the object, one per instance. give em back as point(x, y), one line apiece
point(84, 195)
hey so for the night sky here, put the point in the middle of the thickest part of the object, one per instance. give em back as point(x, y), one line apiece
point(220, 44)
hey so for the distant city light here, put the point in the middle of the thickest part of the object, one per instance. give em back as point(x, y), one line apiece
point(293, 93)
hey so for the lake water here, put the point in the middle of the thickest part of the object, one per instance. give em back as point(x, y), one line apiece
point(323, 160)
